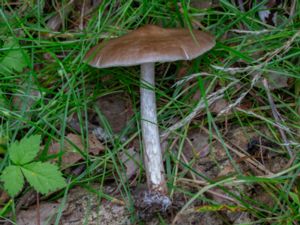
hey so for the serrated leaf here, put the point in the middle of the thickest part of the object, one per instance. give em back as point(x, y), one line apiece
point(43, 177)
point(24, 151)
point(13, 180)
point(14, 59)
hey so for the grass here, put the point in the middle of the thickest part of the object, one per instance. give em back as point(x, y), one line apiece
point(55, 84)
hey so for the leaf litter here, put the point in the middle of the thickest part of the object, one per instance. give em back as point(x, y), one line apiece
point(72, 147)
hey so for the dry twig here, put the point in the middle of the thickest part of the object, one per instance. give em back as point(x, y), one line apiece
point(277, 118)
point(201, 105)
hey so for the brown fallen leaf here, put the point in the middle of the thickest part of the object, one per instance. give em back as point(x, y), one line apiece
point(4, 197)
point(275, 80)
point(117, 110)
point(196, 144)
point(47, 214)
point(131, 160)
point(57, 21)
point(71, 154)
point(226, 169)
point(202, 4)
point(219, 105)
point(25, 99)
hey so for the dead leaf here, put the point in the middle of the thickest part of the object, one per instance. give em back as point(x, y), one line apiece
point(277, 80)
point(25, 99)
point(262, 196)
point(131, 160)
point(117, 110)
point(29, 216)
point(4, 197)
point(240, 136)
point(276, 164)
point(71, 154)
point(196, 144)
point(219, 105)
point(209, 157)
point(226, 169)
point(202, 4)
point(58, 20)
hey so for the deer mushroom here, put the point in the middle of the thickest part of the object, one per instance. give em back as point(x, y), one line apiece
point(144, 47)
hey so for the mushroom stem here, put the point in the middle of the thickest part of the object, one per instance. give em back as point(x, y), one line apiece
point(150, 133)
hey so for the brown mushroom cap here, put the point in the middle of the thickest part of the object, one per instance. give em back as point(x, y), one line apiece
point(150, 44)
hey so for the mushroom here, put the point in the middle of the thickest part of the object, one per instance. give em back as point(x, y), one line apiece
point(144, 47)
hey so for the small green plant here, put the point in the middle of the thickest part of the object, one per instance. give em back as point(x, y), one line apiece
point(42, 176)
point(15, 54)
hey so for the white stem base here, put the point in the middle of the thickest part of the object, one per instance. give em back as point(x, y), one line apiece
point(152, 150)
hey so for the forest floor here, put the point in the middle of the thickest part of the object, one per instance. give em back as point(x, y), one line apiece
point(229, 119)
